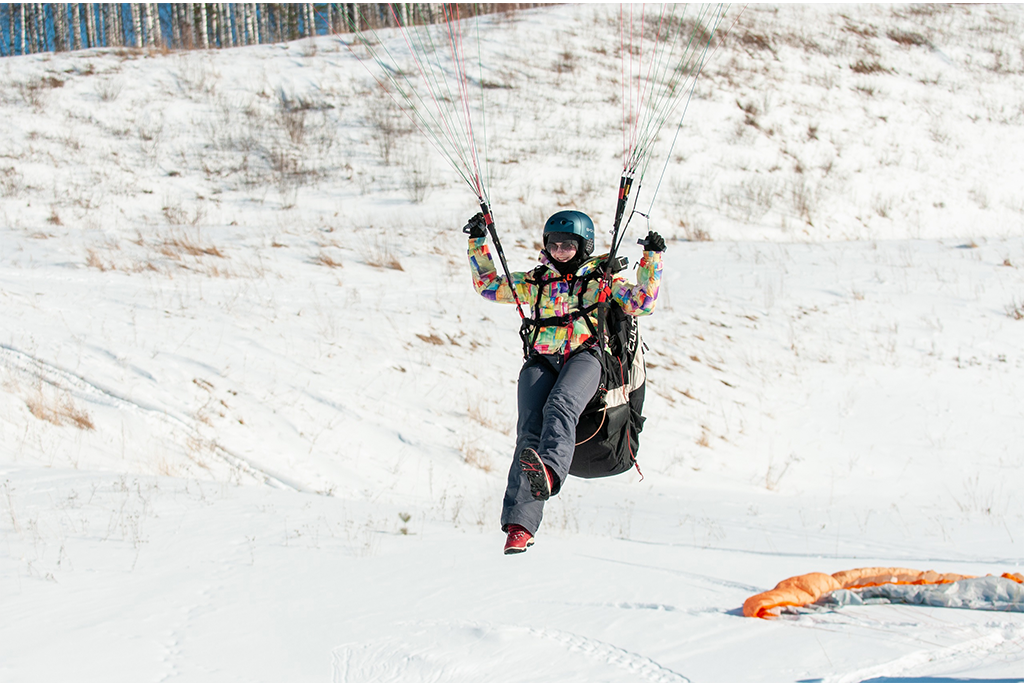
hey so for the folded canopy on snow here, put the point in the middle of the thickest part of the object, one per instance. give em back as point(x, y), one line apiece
point(891, 584)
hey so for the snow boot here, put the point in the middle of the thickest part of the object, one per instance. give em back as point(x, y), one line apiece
point(537, 473)
point(519, 539)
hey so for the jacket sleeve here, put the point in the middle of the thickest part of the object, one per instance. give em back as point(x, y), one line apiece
point(486, 279)
point(639, 299)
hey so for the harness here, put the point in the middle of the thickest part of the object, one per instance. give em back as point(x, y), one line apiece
point(531, 326)
point(607, 431)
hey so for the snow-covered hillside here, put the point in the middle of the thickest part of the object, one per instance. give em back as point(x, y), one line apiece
point(255, 422)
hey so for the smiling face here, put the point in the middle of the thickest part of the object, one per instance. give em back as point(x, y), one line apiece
point(562, 247)
point(562, 251)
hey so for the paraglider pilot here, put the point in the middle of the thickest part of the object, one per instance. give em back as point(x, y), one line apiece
point(562, 371)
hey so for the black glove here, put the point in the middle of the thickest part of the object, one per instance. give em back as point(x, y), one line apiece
point(653, 242)
point(475, 227)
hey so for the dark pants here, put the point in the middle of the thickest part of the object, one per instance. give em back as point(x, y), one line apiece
point(552, 395)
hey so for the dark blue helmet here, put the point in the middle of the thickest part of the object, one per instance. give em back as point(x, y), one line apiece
point(575, 223)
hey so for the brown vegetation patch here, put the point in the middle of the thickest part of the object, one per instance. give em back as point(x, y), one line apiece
point(862, 67)
point(59, 411)
point(908, 38)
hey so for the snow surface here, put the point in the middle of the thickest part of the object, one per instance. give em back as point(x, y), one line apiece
point(255, 422)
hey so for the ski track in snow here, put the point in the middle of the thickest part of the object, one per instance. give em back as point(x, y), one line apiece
point(937, 661)
point(998, 642)
point(432, 652)
point(33, 369)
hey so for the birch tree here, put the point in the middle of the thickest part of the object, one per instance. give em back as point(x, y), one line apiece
point(188, 26)
point(8, 47)
point(264, 22)
point(112, 27)
point(215, 25)
point(203, 37)
point(176, 25)
point(253, 24)
point(60, 28)
point(33, 28)
point(136, 11)
point(228, 17)
point(76, 27)
point(42, 42)
point(151, 24)
point(90, 25)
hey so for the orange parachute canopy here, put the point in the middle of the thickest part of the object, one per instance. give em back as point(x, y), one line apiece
point(805, 589)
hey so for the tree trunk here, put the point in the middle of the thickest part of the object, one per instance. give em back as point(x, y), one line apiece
point(44, 40)
point(5, 46)
point(97, 21)
point(253, 25)
point(76, 27)
point(37, 33)
point(188, 36)
point(203, 34)
point(60, 34)
point(90, 24)
point(242, 23)
point(235, 30)
point(38, 38)
point(136, 24)
point(115, 33)
point(136, 10)
point(263, 28)
point(176, 25)
point(215, 26)
point(110, 32)
point(29, 31)
point(227, 19)
point(217, 30)
point(229, 24)
point(151, 24)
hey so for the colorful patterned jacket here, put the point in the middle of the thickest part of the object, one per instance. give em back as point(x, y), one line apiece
point(561, 296)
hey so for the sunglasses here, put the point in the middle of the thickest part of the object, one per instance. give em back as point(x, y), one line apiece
point(561, 246)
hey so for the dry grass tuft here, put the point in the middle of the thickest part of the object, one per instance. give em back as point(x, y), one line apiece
point(1015, 310)
point(475, 457)
point(179, 244)
point(94, 260)
point(59, 410)
point(756, 41)
point(566, 63)
point(908, 38)
point(693, 232)
point(432, 339)
point(325, 260)
point(487, 415)
point(379, 253)
point(862, 67)
point(862, 31)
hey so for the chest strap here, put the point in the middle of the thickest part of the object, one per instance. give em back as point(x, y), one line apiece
point(530, 327)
